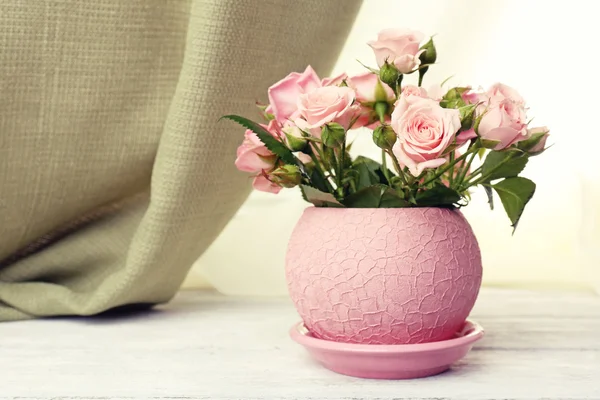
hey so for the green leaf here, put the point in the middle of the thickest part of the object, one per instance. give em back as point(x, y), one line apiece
point(319, 198)
point(333, 135)
point(367, 175)
point(382, 178)
point(490, 195)
point(370, 172)
point(514, 193)
point(392, 199)
point(278, 148)
point(503, 164)
point(316, 179)
point(438, 196)
point(376, 196)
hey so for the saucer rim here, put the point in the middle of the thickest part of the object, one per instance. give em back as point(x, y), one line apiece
point(475, 333)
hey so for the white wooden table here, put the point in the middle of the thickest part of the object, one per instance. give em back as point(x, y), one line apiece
point(205, 346)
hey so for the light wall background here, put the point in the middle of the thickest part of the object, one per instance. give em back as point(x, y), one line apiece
point(548, 51)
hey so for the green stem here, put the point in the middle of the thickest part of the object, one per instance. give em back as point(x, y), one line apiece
point(320, 170)
point(338, 172)
point(451, 178)
point(484, 178)
point(384, 165)
point(321, 154)
point(444, 170)
point(381, 109)
point(471, 177)
point(353, 186)
point(397, 167)
point(464, 170)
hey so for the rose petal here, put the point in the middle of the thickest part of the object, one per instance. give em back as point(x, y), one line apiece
point(465, 136)
point(262, 184)
point(309, 80)
point(427, 165)
point(250, 161)
point(334, 81)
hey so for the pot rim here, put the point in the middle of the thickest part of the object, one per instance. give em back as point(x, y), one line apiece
point(313, 207)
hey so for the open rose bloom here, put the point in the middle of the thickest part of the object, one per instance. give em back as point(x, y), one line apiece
point(437, 144)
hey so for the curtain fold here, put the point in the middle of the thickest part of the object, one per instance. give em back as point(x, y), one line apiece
point(114, 106)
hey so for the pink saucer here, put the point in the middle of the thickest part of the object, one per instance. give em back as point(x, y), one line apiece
point(402, 361)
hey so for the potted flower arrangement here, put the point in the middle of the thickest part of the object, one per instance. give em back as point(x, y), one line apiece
point(385, 257)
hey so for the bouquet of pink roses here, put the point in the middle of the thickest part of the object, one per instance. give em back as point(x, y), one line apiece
point(429, 141)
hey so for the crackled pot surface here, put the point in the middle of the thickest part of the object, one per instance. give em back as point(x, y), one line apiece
point(383, 276)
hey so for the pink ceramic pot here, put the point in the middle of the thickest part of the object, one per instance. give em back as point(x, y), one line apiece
point(383, 276)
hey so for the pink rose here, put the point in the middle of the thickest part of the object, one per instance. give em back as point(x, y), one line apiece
point(399, 47)
point(369, 88)
point(253, 156)
point(499, 92)
point(263, 184)
point(505, 122)
point(465, 136)
point(541, 145)
point(471, 97)
point(327, 104)
point(303, 157)
point(283, 95)
point(425, 130)
point(334, 80)
point(436, 92)
point(412, 90)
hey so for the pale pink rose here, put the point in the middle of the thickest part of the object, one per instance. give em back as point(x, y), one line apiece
point(274, 128)
point(283, 95)
point(366, 117)
point(505, 122)
point(368, 88)
point(334, 80)
point(465, 136)
point(263, 184)
point(472, 97)
point(399, 47)
point(253, 156)
point(304, 158)
point(436, 92)
point(498, 92)
point(308, 128)
point(412, 90)
point(291, 129)
point(327, 104)
point(541, 145)
point(425, 130)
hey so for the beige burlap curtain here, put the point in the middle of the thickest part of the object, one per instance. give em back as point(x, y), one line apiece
point(114, 172)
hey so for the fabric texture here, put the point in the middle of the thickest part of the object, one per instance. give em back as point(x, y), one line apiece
point(115, 174)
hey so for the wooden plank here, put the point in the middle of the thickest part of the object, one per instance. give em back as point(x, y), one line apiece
point(205, 346)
